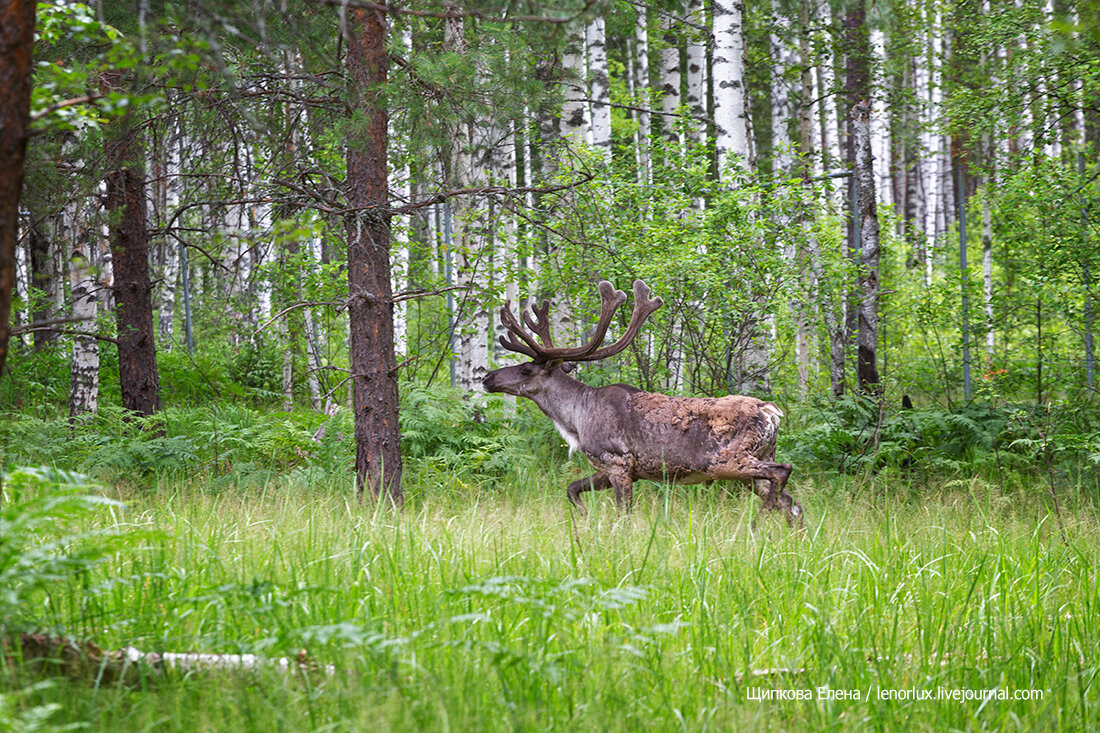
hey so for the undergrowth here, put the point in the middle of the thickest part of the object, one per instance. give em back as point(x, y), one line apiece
point(504, 611)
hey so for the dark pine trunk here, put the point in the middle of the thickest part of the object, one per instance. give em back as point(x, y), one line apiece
point(133, 291)
point(16, 50)
point(370, 298)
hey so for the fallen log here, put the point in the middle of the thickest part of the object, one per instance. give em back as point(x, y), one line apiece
point(56, 655)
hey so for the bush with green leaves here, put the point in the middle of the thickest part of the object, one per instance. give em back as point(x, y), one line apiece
point(852, 435)
point(470, 437)
point(463, 433)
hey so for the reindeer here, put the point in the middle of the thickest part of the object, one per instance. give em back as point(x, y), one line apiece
point(628, 434)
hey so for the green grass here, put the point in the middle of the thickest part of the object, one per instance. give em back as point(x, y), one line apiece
point(492, 608)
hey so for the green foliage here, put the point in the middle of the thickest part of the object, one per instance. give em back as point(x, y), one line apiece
point(43, 545)
point(463, 434)
point(235, 445)
point(15, 717)
point(504, 615)
point(852, 436)
point(217, 372)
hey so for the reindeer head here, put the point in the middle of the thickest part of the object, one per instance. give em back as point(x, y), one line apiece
point(550, 364)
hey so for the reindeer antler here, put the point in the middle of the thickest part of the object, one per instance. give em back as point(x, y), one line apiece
point(523, 342)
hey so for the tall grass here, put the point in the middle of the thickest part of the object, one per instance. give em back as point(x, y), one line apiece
point(494, 608)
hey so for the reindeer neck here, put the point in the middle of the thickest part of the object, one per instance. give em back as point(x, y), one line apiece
point(564, 399)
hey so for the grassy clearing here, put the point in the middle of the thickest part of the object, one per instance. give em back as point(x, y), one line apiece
point(496, 610)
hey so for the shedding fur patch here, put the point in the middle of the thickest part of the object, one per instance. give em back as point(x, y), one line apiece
point(773, 414)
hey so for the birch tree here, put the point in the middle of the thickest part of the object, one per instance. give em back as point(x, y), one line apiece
point(78, 232)
point(670, 80)
point(599, 86)
point(642, 94)
point(730, 118)
point(174, 143)
point(470, 150)
point(867, 361)
point(696, 66)
point(575, 122)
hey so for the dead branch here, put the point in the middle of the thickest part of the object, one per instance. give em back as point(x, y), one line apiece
point(65, 103)
point(45, 325)
point(443, 196)
point(497, 14)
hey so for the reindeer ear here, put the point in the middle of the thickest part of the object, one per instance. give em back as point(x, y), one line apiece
point(568, 366)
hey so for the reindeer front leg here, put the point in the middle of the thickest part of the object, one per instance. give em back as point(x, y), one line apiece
point(624, 491)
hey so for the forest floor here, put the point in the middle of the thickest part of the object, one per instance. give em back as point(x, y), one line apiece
point(498, 609)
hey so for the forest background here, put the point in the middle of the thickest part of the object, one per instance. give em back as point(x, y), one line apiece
point(262, 244)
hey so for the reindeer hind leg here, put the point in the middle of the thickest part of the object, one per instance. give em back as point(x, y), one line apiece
point(595, 482)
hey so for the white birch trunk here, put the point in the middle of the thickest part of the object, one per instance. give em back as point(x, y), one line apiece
point(867, 360)
point(401, 185)
point(938, 162)
point(642, 95)
point(670, 82)
point(472, 319)
point(79, 226)
point(827, 112)
point(174, 145)
point(697, 75)
point(730, 120)
point(784, 107)
point(880, 126)
point(314, 339)
point(732, 147)
point(575, 127)
point(103, 260)
point(263, 285)
point(600, 87)
point(809, 168)
point(506, 257)
point(469, 161)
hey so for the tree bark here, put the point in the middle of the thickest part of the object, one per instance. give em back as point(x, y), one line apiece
point(642, 94)
point(670, 81)
point(867, 360)
point(730, 112)
point(77, 225)
point(783, 97)
point(696, 56)
point(575, 127)
point(16, 52)
point(45, 279)
point(599, 85)
point(174, 146)
point(133, 290)
point(370, 297)
point(470, 156)
point(857, 88)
